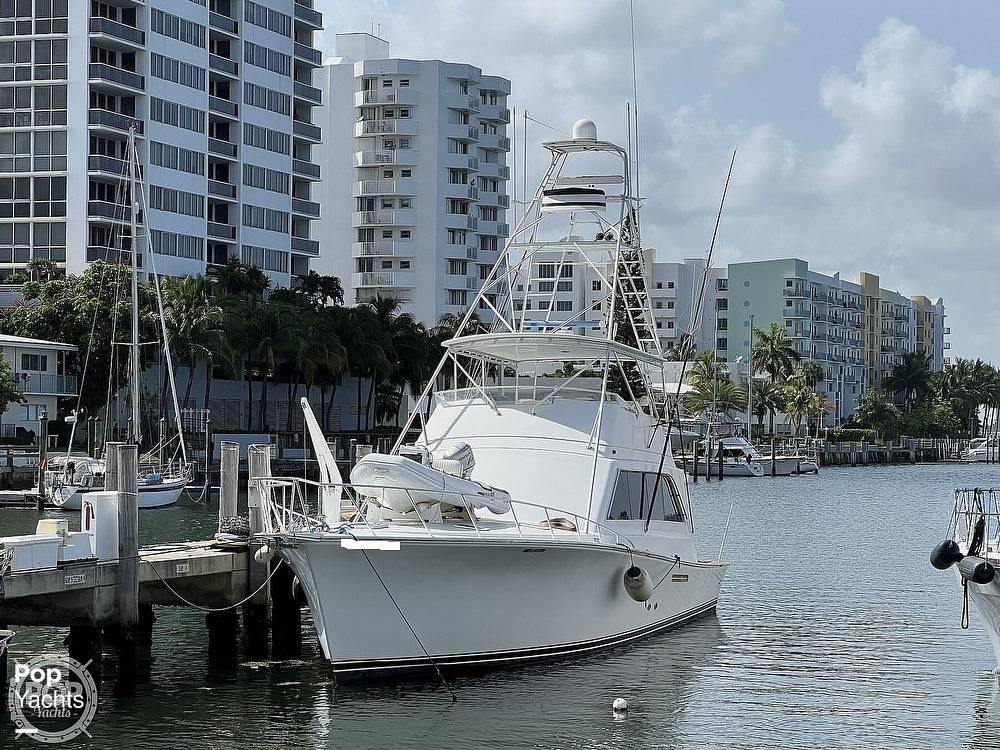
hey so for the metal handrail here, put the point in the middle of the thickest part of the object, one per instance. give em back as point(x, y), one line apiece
point(971, 504)
point(283, 511)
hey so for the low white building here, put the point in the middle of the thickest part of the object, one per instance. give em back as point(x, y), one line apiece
point(39, 370)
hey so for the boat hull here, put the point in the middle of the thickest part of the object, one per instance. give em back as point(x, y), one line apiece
point(484, 603)
point(986, 598)
point(70, 497)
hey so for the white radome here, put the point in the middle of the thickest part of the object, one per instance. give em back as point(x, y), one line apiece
point(584, 130)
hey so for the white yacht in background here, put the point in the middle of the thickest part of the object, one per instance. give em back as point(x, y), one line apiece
point(983, 449)
point(741, 459)
point(972, 546)
point(530, 519)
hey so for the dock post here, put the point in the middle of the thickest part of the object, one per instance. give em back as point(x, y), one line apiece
point(208, 459)
point(85, 643)
point(4, 683)
point(720, 460)
point(286, 615)
point(255, 618)
point(43, 443)
point(695, 460)
point(708, 460)
point(111, 467)
point(229, 480)
point(127, 631)
point(774, 466)
point(223, 637)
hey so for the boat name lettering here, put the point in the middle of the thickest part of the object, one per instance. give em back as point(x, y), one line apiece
point(75, 579)
point(682, 578)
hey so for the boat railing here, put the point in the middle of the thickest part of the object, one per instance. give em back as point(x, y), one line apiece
point(970, 505)
point(524, 392)
point(293, 505)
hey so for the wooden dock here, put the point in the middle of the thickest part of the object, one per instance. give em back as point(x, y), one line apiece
point(108, 604)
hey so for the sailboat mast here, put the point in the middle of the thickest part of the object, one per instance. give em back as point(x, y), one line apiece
point(135, 286)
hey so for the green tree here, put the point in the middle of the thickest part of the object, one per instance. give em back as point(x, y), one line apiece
point(876, 411)
point(773, 352)
point(768, 400)
point(810, 372)
point(9, 392)
point(910, 378)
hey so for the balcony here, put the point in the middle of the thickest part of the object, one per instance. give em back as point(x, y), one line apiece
point(404, 156)
point(404, 279)
point(108, 210)
point(402, 186)
point(494, 141)
point(221, 231)
point(305, 208)
point(116, 78)
point(308, 16)
point(795, 312)
point(306, 130)
point(222, 148)
point(223, 65)
point(386, 248)
point(305, 246)
point(461, 102)
point(795, 292)
point(307, 92)
point(398, 126)
point(465, 133)
point(461, 161)
point(302, 168)
point(494, 112)
point(385, 217)
point(220, 189)
point(307, 54)
point(102, 118)
point(108, 165)
point(223, 107)
point(117, 35)
point(380, 95)
point(223, 23)
point(43, 383)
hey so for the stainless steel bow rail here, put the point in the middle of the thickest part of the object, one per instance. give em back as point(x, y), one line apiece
point(292, 505)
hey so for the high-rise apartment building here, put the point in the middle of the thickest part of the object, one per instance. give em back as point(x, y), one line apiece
point(415, 176)
point(220, 95)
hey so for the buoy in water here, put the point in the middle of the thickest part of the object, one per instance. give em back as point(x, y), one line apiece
point(263, 554)
point(945, 554)
point(619, 706)
point(637, 584)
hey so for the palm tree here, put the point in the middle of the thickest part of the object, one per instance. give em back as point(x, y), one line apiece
point(721, 396)
point(402, 340)
point(810, 372)
point(193, 320)
point(274, 340)
point(773, 352)
point(768, 399)
point(911, 378)
point(799, 400)
point(319, 289)
point(238, 278)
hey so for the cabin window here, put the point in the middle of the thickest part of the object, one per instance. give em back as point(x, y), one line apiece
point(634, 492)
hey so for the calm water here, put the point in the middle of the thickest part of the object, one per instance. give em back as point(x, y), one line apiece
point(833, 631)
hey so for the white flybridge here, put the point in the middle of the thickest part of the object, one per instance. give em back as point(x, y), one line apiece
point(535, 516)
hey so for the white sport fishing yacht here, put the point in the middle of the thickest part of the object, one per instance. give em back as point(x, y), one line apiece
point(534, 517)
point(972, 546)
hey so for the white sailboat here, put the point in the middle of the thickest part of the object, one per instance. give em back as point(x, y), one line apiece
point(69, 478)
point(534, 517)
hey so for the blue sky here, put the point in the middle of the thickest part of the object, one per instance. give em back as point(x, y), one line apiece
point(868, 132)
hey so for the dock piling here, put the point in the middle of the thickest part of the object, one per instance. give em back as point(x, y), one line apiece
point(129, 641)
point(255, 611)
point(229, 479)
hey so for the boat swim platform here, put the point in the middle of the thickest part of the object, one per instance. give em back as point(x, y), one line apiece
point(85, 592)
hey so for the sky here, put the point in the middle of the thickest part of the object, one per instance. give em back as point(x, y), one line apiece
point(867, 133)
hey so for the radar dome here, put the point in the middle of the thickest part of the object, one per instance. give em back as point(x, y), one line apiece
point(585, 130)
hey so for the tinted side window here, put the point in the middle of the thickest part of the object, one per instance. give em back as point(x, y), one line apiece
point(634, 492)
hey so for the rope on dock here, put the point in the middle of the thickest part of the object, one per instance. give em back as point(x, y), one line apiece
point(214, 609)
